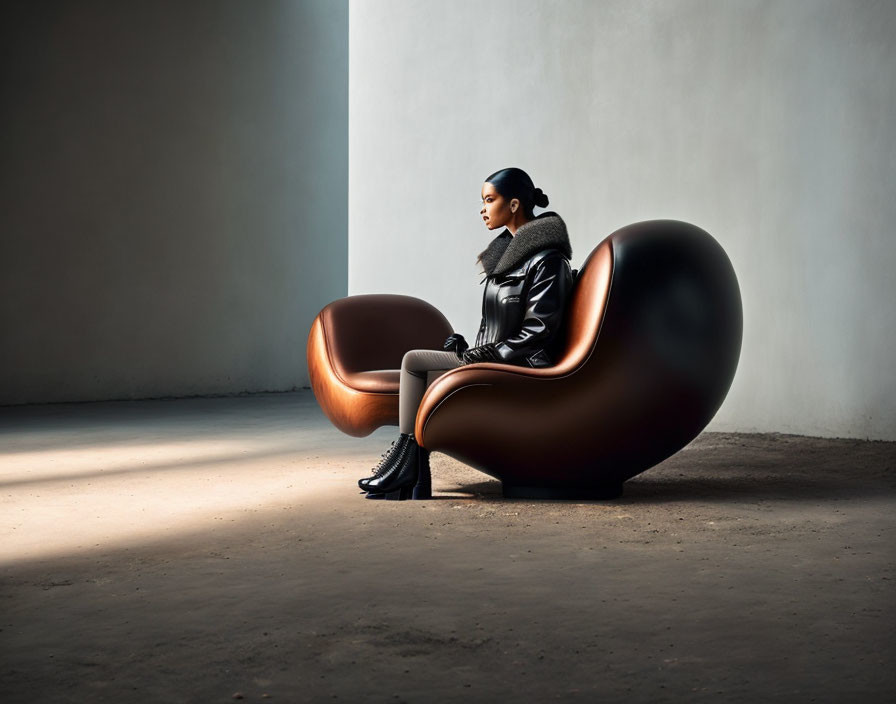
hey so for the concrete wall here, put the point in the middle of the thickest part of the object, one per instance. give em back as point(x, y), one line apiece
point(770, 124)
point(173, 194)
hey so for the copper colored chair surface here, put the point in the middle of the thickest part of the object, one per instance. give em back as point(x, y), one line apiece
point(653, 339)
point(354, 355)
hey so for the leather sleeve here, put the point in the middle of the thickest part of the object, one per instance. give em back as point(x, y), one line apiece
point(481, 334)
point(547, 292)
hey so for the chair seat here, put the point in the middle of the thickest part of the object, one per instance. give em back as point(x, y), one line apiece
point(375, 381)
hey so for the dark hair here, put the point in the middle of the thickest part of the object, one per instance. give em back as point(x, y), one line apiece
point(516, 183)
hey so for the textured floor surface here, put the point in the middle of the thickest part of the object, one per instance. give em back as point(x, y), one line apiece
point(202, 550)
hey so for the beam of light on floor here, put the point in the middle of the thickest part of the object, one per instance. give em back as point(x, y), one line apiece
point(62, 502)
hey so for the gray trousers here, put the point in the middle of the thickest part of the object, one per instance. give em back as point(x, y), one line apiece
point(419, 368)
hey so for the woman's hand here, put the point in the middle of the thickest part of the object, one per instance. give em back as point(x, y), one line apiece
point(483, 353)
point(456, 343)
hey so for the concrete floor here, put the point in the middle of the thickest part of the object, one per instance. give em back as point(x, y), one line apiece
point(203, 550)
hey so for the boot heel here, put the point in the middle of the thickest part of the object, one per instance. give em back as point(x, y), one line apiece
point(421, 492)
point(401, 494)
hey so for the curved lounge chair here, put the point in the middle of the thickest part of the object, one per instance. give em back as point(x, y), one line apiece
point(653, 339)
point(354, 356)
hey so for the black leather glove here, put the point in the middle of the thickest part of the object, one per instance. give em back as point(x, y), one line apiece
point(456, 343)
point(483, 353)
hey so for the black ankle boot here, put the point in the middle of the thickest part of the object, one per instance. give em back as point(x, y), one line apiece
point(419, 490)
point(387, 461)
point(398, 481)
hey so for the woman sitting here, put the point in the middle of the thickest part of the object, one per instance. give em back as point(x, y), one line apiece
point(527, 284)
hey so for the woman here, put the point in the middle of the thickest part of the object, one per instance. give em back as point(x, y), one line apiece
point(527, 282)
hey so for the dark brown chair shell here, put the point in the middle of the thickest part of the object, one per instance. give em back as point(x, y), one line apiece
point(354, 355)
point(653, 339)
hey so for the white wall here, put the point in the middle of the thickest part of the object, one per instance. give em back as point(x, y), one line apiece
point(770, 124)
point(173, 194)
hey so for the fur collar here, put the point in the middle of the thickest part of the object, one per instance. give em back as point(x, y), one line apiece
point(506, 252)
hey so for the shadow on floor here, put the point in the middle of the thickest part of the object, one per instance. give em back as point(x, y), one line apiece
point(729, 467)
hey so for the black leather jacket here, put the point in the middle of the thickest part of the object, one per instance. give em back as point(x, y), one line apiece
point(526, 291)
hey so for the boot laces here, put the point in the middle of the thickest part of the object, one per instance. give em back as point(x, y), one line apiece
point(384, 460)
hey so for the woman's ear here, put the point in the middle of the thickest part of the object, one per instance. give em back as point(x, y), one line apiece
point(514, 204)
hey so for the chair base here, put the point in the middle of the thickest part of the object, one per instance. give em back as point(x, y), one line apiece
point(593, 492)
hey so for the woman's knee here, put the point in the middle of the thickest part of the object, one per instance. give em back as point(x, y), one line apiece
point(409, 362)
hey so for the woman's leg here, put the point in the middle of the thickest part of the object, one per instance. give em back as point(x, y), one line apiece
point(415, 375)
point(418, 369)
point(405, 463)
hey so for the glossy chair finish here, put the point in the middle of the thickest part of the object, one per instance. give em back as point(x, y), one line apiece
point(354, 356)
point(654, 333)
point(653, 338)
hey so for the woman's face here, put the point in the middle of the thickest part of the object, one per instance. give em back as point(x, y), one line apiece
point(496, 210)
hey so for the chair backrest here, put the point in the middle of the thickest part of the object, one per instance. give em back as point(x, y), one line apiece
point(373, 331)
point(586, 308)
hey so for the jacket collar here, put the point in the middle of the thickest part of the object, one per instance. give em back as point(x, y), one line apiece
point(506, 252)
